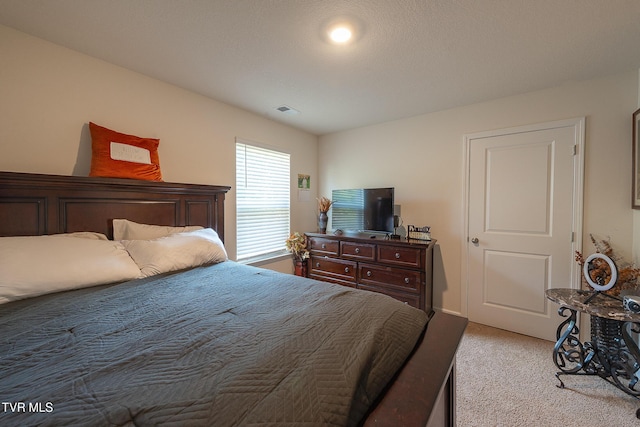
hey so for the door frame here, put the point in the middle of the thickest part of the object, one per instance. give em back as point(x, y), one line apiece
point(578, 193)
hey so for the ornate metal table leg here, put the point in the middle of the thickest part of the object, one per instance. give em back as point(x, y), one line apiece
point(635, 354)
point(569, 354)
point(617, 352)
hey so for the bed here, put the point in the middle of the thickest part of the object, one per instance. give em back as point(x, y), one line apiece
point(218, 343)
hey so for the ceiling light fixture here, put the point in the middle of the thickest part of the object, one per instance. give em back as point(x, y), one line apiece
point(342, 30)
point(340, 34)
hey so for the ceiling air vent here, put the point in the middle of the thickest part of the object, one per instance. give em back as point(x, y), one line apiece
point(287, 110)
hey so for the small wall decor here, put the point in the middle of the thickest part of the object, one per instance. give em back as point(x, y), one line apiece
point(304, 188)
point(636, 160)
point(304, 181)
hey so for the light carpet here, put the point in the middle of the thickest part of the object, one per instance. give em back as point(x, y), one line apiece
point(508, 379)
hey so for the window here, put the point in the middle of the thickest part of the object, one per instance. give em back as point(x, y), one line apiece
point(262, 201)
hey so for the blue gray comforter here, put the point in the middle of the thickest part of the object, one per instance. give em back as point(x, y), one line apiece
point(220, 345)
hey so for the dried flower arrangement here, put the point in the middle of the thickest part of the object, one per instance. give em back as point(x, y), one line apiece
point(297, 245)
point(324, 204)
point(627, 273)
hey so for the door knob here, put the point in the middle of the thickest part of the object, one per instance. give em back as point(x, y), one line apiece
point(475, 240)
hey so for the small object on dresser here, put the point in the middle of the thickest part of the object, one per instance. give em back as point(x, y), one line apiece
point(322, 222)
point(324, 204)
point(419, 233)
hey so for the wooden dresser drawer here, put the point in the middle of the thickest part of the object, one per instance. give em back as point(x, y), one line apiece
point(359, 251)
point(407, 298)
point(391, 277)
point(400, 255)
point(318, 245)
point(334, 270)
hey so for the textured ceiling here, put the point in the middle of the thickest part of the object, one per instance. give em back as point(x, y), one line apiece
point(411, 57)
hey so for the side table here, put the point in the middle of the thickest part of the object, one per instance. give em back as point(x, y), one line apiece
point(611, 354)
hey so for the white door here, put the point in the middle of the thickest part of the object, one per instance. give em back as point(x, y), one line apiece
point(524, 224)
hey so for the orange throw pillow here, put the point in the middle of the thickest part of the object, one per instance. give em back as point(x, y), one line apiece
point(118, 155)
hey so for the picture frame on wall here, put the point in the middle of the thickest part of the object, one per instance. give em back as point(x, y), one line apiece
point(636, 159)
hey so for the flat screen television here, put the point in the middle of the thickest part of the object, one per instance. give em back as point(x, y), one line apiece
point(362, 210)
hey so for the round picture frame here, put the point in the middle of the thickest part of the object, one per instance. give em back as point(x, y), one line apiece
point(614, 272)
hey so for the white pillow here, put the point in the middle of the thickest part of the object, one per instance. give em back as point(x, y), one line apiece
point(128, 230)
point(83, 235)
point(176, 251)
point(37, 265)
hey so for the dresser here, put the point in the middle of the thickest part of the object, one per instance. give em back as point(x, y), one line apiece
point(399, 268)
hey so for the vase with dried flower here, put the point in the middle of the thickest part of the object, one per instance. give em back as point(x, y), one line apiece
point(297, 245)
point(324, 204)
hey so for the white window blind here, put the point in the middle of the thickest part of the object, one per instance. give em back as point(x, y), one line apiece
point(262, 200)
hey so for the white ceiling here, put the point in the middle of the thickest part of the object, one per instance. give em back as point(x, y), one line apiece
point(412, 56)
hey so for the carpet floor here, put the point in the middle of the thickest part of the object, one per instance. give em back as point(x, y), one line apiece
point(508, 379)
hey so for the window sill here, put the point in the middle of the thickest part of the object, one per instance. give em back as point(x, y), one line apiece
point(265, 259)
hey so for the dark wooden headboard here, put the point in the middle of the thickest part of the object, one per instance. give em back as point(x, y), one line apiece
point(35, 204)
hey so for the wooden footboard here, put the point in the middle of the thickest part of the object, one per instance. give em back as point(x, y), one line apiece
point(423, 394)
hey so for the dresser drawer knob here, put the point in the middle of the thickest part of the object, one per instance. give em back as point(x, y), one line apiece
point(369, 273)
point(357, 250)
point(407, 280)
point(317, 265)
point(346, 269)
point(324, 246)
point(397, 255)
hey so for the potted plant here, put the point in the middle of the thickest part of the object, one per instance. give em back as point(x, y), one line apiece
point(297, 245)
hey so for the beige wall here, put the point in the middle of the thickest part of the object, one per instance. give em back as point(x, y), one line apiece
point(48, 95)
point(422, 157)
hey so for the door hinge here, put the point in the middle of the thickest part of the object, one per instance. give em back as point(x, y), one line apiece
point(575, 149)
point(573, 235)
